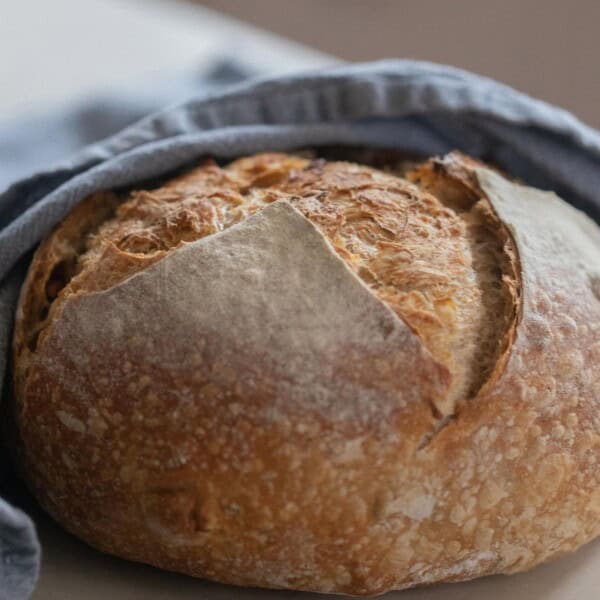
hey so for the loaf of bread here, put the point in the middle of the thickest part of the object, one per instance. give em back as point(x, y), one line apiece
point(317, 375)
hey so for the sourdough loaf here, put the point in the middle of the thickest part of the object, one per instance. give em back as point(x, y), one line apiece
point(310, 374)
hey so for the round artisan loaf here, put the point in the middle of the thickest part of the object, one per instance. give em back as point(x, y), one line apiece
point(317, 375)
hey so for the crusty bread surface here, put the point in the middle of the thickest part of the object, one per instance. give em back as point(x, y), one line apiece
point(308, 374)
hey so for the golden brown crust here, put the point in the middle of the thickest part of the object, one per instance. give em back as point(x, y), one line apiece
point(424, 257)
point(174, 455)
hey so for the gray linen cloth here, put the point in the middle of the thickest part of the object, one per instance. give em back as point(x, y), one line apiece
point(417, 107)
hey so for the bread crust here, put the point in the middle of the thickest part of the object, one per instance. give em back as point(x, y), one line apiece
point(173, 440)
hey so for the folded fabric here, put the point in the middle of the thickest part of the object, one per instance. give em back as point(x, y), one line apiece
point(19, 555)
point(417, 107)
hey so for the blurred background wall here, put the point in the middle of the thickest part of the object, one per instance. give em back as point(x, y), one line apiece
point(52, 51)
point(547, 48)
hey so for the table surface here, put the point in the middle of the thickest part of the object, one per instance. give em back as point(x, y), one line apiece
point(61, 50)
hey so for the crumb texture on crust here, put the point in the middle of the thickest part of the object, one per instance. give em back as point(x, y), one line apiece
point(436, 260)
point(471, 449)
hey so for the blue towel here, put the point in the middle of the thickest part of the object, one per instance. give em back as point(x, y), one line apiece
point(412, 106)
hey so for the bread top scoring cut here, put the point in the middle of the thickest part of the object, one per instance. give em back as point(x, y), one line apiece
point(427, 245)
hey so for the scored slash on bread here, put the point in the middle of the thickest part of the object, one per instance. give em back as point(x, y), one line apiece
point(316, 375)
